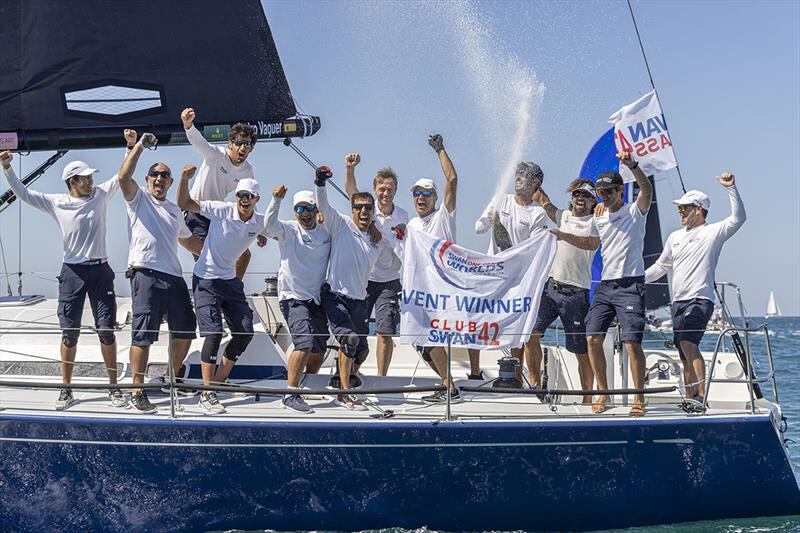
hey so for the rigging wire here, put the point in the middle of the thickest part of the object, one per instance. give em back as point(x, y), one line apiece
point(652, 84)
point(19, 238)
point(288, 142)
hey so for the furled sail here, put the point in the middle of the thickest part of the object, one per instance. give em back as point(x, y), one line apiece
point(73, 73)
point(602, 158)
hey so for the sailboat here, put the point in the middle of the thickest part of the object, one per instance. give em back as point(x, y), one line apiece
point(498, 461)
point(772, 306)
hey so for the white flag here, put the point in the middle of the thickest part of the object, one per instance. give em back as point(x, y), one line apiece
point(640, 128)
point(472, 299)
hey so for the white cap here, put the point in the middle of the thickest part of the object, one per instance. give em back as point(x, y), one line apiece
point(77, 168)
point(424, 183)
point(304, 196)
point(249, 185)
point(584, 187)
point(694, 197)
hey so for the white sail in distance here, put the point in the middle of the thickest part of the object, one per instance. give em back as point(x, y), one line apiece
point(772, 306)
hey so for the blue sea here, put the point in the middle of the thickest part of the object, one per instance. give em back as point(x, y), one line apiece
point(785, 341)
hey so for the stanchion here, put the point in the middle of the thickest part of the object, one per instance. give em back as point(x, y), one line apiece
point(449, 378)
point(171, 375)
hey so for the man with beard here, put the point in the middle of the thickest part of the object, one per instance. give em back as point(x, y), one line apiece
point(691, 254)
point(384, 279)
point(221, 170)
point(155, 226)
point(621, 293)
point(81, 217)
point(566, 295)
point(512, 218)
point(305, 246)
point(218, 291)
point(440, 223)
point(355, 246)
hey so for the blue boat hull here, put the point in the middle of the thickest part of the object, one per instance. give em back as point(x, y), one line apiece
point(99, 474)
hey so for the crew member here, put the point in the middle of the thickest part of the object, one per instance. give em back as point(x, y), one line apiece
point(305, 247)
point(218, 291)
point(512, 218)
point(355, 246)
point(440, 223)
point(220, 171)
point(384, 280)
point(155, 226)
point(691, 254)
point(566, 295)
point(81, 217)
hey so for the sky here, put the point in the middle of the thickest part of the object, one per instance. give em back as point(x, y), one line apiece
point(503, 81)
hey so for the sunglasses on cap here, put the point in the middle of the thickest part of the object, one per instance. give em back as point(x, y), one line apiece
point(424, 194)
point(359, 207)
point(163, 173)
point(300, 209)
point(245, 195)
point(242, 142)
point(683, 209)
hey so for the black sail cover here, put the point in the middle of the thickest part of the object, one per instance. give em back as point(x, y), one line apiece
point(72, 73)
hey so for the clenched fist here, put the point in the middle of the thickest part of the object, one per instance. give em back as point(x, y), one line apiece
point(188, 171)
point(187, 117)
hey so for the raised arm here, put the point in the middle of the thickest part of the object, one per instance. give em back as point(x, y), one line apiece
point(125, 175)
point(194, 136)
point(332, 217)
point(34, 198)
point(186, 202)
point(351, 161)
point(584, 243)
point(737, 217)
point(273, 226)
point(450, 177)
point(645, 196)
point(541, 198)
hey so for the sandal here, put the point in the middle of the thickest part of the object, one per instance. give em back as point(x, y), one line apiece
point(599, 405)
point(637, 410)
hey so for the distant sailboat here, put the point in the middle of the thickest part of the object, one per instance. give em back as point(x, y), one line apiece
point(772, 306)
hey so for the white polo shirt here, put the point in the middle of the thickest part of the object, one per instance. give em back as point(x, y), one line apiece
point(154, 227)
point(692, 254)
point(304, 256)
point(622, 239)
point(217, 176)
point(572, 265)
point(441, 223)
point(228, 237)
point(388, 265)
point(82, 220)
point(352, 252)
point(519, 220)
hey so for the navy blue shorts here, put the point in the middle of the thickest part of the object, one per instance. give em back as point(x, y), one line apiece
point(347, 316)
point(307, 324)
point(218, 298)
point(383, 297)
point(153, 295)
point(622, 298)
point(425, 353)
point(74, 283)
point(197, 224)
point(571, 305)
point(689, 320)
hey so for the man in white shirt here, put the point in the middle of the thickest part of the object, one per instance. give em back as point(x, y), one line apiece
point(512, 218)
point(440, 223)
point(305, 247)
point(81, 216)
point(355, 246)
point(621, 293)
point(155, 226)
point(384, 279)
point(221, 170)
point(218, 291)
point(566, 294)
point(691, 254)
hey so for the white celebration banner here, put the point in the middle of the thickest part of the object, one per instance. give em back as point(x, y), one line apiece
point(640, 128)
point(473, 299)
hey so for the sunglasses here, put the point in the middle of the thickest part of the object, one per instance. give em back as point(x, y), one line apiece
point(244, 195)
point(359, 207)
point(300, 209)
point(163, 173)
point(582, 194)
point(607, 191)
point(683, 209)
point(242, 142)
point(424, 194)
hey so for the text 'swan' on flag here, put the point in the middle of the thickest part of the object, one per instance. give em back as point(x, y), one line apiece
point(640, 128)
point(472, 299)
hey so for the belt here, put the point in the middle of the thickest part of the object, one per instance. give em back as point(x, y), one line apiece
point(565, 287)
point(92, 262)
